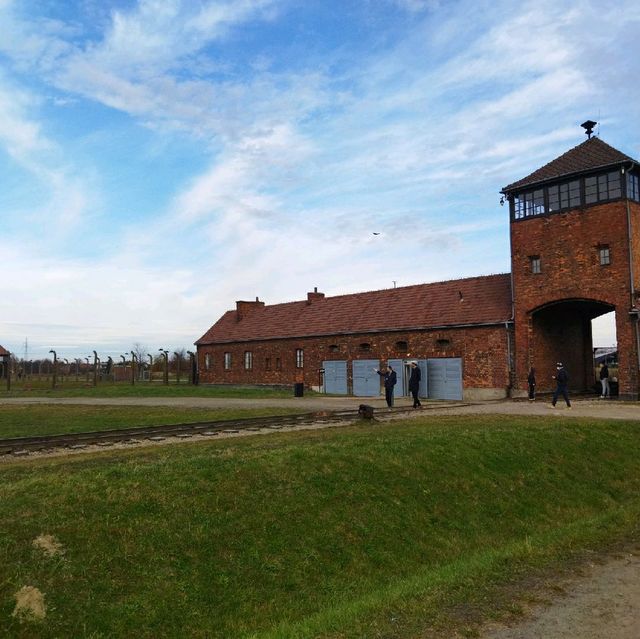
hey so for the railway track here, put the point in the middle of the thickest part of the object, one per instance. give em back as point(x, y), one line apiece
point(23, 446)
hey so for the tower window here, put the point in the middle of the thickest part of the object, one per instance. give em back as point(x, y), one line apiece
point(554, 198)
point(605, 255)
point(299, 358)
point(267, 363)
point(207, 361)
point(633, 192)
point(227, 361)
point(534, 261)
point(574, 193)
point(248, 360)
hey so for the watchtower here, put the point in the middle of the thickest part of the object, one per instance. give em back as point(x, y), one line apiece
point(575, 255)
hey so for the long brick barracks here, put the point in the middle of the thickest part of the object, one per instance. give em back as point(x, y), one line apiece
point(575, 255)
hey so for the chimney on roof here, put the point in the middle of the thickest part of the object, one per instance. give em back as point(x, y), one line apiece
point(244, 309)
point(314, 296)
point(588, 127)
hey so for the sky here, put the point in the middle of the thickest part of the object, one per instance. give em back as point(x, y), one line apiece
point(161, 159)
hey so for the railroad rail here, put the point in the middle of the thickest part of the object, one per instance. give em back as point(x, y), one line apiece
point(23, 446)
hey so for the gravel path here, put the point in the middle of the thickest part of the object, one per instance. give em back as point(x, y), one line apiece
point(601, 601)
point(606, 409)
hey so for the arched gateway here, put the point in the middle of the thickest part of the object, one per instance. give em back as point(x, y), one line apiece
point(575, 255)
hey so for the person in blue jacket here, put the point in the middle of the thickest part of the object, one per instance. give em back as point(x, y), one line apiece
point(390, 379)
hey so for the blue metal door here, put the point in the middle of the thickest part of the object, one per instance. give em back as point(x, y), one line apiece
point(424, 383)
point(445, 377)
point(335, 377)
point(366, 382)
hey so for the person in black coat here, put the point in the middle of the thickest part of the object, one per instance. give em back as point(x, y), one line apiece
point(531, 380)
point(390, 379)
point(562, 385)
point(414, 383)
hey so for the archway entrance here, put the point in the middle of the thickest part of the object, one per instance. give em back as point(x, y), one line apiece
point(561, 332)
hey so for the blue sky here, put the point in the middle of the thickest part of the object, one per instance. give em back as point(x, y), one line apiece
point(162, 159)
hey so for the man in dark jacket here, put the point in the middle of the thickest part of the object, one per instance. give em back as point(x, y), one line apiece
point(562, 383)
point(414, 383)
point(390, 379)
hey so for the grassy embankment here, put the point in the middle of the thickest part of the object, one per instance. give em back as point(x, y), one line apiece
point(52, 419)
point(72, 388)
point(365, 531)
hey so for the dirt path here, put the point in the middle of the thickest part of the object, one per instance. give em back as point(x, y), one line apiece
point(601, 601)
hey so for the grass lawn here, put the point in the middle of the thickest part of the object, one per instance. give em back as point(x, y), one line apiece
point(359, 532)
point(70, 388)
point(52, 419)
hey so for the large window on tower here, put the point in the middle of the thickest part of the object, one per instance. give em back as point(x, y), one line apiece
point(600, 188)
point(574, 193)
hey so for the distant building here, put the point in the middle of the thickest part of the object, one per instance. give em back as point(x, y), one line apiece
point(5, 357)
point(575, 255)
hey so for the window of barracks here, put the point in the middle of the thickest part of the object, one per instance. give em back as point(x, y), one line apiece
point(602, 187)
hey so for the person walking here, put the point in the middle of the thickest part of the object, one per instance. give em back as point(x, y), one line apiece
point(390, 378)
point(414, 383)
point(604, 381)
point(562, 383)
point(531, 380)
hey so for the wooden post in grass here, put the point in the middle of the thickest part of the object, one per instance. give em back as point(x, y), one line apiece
point(55, 368)
point(95, 368)
point(192, 368)
point(133, 368)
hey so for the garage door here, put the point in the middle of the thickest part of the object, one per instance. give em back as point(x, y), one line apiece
point(444, 377)
point(366, 382)
point(335, 377)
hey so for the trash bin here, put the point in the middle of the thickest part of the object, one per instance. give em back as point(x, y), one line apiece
point(298, 389)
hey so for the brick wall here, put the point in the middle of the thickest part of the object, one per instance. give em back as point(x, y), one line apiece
point(483, 351)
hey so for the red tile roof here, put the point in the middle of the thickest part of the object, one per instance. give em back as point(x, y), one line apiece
point(4, 351)
point(474, 300)
point(591, 155)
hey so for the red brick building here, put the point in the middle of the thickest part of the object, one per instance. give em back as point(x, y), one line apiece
point(575, 243)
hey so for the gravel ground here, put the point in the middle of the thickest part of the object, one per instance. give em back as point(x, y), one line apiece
point(600, 600)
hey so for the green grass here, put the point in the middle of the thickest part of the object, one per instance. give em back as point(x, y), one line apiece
point(70, 388)
point(359, 532)
point(53, 419)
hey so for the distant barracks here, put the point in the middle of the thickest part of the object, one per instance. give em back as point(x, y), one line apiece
point(575, 255)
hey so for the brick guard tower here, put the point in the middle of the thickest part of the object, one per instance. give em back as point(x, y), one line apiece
point(575, 255)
